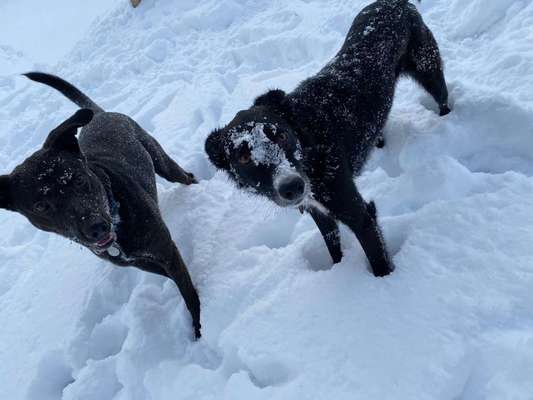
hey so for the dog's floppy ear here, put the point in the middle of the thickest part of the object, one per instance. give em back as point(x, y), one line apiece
point(215, 149)
point(64, 136)
point(274, 99)
point(5, 201)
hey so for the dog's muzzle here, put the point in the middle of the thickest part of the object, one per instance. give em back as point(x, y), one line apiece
point(291, 190)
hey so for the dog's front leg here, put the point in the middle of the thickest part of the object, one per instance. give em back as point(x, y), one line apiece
point(330, 232)
point(169, 263)
point(178, 272)
point(349, 207)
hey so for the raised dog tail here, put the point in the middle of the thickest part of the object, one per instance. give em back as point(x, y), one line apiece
point(68, 90)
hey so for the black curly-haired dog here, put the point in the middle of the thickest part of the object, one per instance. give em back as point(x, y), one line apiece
point(100, 190)
point(302, 149)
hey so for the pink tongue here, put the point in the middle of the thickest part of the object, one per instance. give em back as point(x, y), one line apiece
point(105, 241)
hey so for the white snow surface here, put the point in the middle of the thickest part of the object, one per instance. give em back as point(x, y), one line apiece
point(454, 197)
point(46, 30)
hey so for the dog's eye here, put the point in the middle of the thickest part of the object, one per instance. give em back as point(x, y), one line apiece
point(283, 137)
point(245, 158)
point(42, 207)
point(79, 181)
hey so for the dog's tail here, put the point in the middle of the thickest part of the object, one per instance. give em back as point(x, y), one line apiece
point(68, 90)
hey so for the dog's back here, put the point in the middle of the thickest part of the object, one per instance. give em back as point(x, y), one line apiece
point(350, 98)
point(377, 39)
point(112, 140)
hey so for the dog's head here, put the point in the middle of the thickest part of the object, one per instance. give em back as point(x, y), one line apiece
point(260, 150)
point(57, 192)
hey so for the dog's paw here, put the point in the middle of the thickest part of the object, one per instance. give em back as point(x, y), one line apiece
point(444, 110)
point(197, 332)
point(337, 257)
point(383, 270)
point(189, 179)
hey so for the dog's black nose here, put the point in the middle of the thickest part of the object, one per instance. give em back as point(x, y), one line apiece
point(291, 188)
point(96, 230)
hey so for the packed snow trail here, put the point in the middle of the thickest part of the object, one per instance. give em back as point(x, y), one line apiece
point(454, 198)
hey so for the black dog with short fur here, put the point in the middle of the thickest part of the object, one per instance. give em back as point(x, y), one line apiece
point(100, 190)
point(302, 149)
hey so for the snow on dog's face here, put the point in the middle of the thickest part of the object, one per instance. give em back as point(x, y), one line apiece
point(262, 154)
point(57, 192)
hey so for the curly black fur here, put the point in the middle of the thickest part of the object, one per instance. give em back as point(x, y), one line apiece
point(325, 129)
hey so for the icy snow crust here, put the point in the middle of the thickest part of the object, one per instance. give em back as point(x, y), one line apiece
point(454, 195)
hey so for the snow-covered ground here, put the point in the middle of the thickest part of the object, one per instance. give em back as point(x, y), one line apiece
point(47, 30)
point(454, 195)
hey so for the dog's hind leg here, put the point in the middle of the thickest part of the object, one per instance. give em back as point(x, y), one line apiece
point(424, 64)
point(329, 229)
point(165, 166)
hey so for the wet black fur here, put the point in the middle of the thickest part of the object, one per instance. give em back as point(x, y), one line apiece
point(70, 185)
point(338, 116)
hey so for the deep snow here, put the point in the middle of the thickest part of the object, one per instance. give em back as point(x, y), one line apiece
point(454, 196)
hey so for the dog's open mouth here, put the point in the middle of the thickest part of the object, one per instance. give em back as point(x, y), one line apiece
point(106, 242)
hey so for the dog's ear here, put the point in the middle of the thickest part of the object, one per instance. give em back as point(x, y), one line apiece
point(64, 136)
point(5, 201)
point(215, 149)
point(274, 99)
